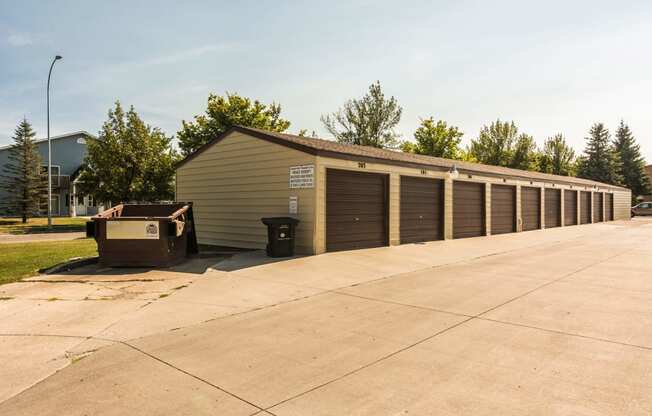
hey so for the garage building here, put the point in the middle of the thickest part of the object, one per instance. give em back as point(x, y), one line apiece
point(349, 197)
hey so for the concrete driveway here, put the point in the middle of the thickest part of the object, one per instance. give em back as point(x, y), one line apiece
point(537, 323)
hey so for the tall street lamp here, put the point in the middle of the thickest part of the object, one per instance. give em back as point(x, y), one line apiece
point(56, 58)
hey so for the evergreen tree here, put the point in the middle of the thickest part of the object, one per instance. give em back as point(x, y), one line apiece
point(22, 177)
point(557, 157)
point(368, 121)
point(632, 164)
point(223, 113)
point(130, 161)
point(600, 161)
point(435, 139)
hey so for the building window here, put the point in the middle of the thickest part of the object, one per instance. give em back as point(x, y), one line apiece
point(56, 178)
point(55, 170)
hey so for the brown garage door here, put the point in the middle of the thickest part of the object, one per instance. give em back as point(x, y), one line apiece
point(553, 208)
point(422, 209)
point(503, 209)
point(531, 208)
point(585, 207)
point(356, 210)
point(609, 206)
point(570, 207)
point(598, 214)
point(468, 209)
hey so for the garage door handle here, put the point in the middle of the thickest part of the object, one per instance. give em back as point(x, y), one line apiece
point(420, 217)
point(356, 219)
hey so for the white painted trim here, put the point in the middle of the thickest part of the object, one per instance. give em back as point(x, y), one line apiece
point(59, 137)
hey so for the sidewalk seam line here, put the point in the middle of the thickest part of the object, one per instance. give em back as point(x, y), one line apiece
point(478, 316)
point(192, 375)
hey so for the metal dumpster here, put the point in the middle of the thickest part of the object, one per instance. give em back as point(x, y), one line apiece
point(144, 235)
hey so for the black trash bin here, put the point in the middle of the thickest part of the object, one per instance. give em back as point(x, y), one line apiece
point(280, 235)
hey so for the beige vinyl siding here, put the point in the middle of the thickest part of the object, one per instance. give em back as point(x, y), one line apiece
point(519, 214)
point(622, 205)
point(239, 180)
point(394, 193)
point(394, 209)
point(621, 198)
point(448, 209)
point(487, 208)
point(395, 173)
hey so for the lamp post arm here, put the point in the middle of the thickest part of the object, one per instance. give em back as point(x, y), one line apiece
point(56, 58)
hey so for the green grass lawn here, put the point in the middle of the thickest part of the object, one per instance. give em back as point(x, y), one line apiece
point(40, 225)
point(25, 259)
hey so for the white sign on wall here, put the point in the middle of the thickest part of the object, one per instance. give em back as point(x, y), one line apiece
point(294, 205)
point(302, 176)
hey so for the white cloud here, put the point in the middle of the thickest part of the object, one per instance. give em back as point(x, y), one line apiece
point(172, 58)
point(187, 54)
point(19, 40)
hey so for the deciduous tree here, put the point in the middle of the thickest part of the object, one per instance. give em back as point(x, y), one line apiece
point(130, 161)
point(435, 139)
point(22, 178)
point(500, 144)
point(524, 153)
point(224, 112)
point(494, 145)
point(304, 133)
point(368, 121)
point(557, 157)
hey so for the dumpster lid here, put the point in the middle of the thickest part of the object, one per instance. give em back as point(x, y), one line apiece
point(279, 220)
point(169, 211)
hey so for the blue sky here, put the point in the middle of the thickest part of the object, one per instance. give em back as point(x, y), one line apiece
point(555, 66)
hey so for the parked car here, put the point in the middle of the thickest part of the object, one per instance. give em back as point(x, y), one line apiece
point(644, 208)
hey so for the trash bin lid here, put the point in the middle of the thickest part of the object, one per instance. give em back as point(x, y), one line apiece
point(279, 220)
